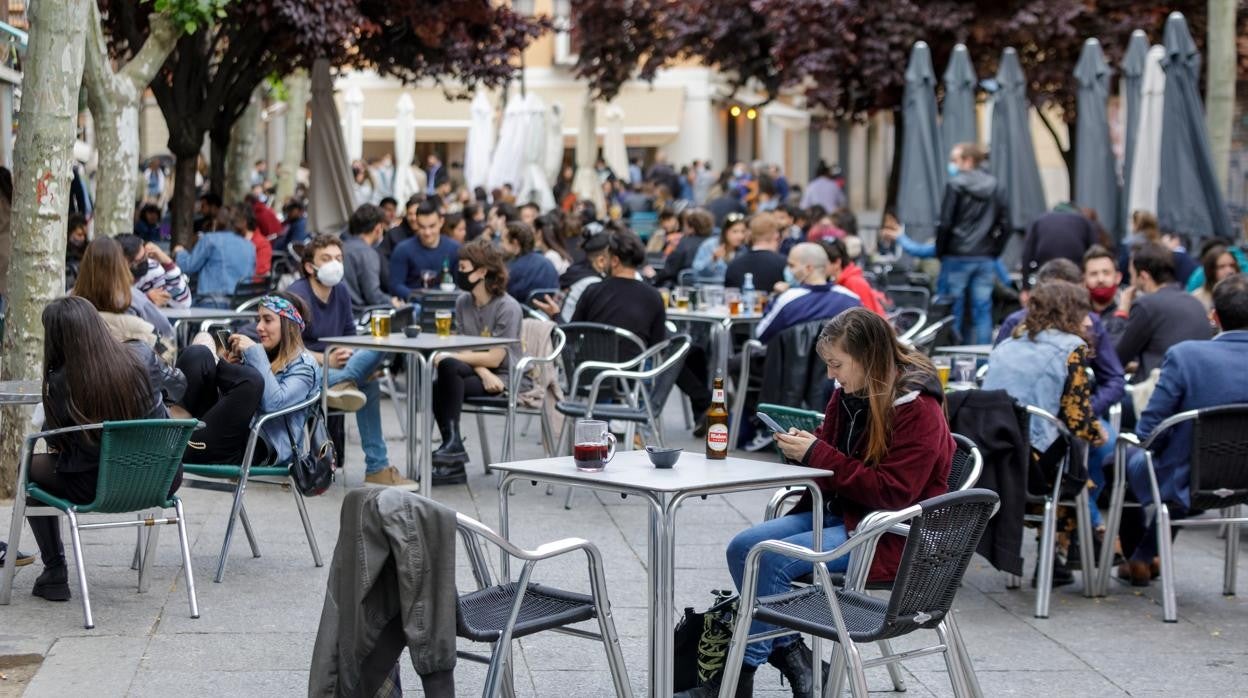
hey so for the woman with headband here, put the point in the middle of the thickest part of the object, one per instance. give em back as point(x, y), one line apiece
point(228, 389)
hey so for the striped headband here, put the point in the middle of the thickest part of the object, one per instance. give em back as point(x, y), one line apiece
point(283, 308)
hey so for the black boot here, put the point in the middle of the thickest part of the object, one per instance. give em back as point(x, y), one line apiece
point(794, 662)
point(449, 474)
point(452, 449)
point(53, 582)
point(710, 689)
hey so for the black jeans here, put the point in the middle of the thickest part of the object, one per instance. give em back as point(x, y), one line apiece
point(225, 397)
point(456, 381)
point(78, 487)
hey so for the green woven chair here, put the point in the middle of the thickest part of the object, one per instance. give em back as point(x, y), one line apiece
point(234, 478)
point(138, 462)
point(789, 417)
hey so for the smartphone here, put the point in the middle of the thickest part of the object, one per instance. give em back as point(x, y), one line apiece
point(771, 423)
point(223, 339)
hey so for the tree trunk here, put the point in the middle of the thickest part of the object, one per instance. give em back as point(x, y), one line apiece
point(296, 116)
point(182, 203)
point(218, 146)
point(894, 172)
point(1220, 85)
point(42, 158)
point(241, 153)
point(113, 99)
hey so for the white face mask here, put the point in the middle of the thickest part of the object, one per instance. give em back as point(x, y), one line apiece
point(330, 273)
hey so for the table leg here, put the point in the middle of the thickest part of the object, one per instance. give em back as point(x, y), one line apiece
point(725, 348)
point(662, 588)
point(426, 427)
point(415, 371)
point(504, 526)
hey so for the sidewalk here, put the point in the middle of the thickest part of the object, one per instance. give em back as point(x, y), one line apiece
point(257, 628)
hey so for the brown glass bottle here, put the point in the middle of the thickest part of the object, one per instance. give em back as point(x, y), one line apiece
point(717, 423)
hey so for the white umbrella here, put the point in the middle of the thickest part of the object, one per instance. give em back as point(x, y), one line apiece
point(613, 149)
point(535, 187)
point(329, 170)
point(507, 164)
point(480, 142)
point(405, 183)
point(353, 122)
point(554, 141)
point(1146, 160)
point(585, 183)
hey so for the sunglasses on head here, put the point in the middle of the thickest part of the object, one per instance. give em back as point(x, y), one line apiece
point(733, 218)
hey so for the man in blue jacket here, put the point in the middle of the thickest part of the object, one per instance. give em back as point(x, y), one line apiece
point(429, 251)
point(810, 297)
point(1194, 374)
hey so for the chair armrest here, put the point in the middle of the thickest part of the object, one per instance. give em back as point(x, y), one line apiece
point(544, 551)
point(778, 499)
point(635, 361)
point(637, 375)
point(299, 406)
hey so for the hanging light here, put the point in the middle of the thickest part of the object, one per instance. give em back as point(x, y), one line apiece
point(751, 114)
point(735, 111)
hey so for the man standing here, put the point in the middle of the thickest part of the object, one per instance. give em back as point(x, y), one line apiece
point(428, 251)
point(361, 261)
point(823, 191)
point(435, 174)
point(1159, 313)
point(969, 236)
point(527, 269)
point(1062, 232)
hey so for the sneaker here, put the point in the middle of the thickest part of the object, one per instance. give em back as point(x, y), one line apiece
point(22, 559)
point(760, 441)
point(345, 397)
point(389, 477)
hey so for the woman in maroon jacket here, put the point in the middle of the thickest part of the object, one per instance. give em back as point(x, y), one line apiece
point(885, 443)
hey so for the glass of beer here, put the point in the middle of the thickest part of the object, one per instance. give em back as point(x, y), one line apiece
point(943, 364)
point(379, 323)
point(681, 297)
point(760, 302)
point(667, 297)
point(442, 321)
point(594, 446)
point(732, 297)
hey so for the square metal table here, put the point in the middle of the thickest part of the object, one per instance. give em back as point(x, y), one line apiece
point(630, 472)
point(975, 349)
point(422, 349)
point(721, 322)
point(183, 317)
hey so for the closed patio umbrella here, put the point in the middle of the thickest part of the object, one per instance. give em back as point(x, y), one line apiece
point(507, 163)
point(614, 152)
point(922, 179)
point(353, 122)
point(1096, 179)
point(1189, 200)
point(1013, 158)
point(480, 141)
point(1129, 95)
point(1146, 157)
point(535, 187)
point(405, 183)
point(957, 119)
point(554, 141)
point(585, 182)
point(329, 170)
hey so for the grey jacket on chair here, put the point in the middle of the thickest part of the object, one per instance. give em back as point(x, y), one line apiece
point(391, 585)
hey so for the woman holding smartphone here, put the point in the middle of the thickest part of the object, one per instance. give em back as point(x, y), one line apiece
point(885, 444)
point(243, 378)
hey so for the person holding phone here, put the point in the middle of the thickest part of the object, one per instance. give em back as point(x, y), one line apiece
point(884, 443)
point(244, 378)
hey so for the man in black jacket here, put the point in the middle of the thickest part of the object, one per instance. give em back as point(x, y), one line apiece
point(1060, 233)
point(970, 234)
point(1159, 313)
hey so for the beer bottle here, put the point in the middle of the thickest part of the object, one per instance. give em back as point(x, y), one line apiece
point(717, 423)
point(447, 283)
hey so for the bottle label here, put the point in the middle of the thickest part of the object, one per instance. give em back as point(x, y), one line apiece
point(717, 437)
point(717, 396)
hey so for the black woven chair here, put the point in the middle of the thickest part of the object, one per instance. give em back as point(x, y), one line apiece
point(431, 301)
point(967, 464)
point(908, 296)
point(1218, 480)
point(940, 540)
point(499, 613)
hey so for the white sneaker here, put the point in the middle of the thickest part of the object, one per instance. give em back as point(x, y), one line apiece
point(760, 441)
point(345, 397)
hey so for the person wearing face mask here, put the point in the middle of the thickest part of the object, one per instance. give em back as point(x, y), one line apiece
point(222, 259)
point(1101, 276)
point(364, 278)
point(351, 386)
point(429, 251)
point(810, 296)
point(75, 247)
point(155, 273)
point(484, 310)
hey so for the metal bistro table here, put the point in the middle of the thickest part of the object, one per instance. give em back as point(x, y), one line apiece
point(630, 472)
point(421, 349)
point(182, 319)
point(721, 323)
point(976, 349)
point(20, 392)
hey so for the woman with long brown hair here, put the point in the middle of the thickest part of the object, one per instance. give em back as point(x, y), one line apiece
point(89, 378)
point(885, 444)
point(104, 279)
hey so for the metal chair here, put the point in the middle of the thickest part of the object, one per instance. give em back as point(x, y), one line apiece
point(940, 540)
point(907, 322)
point(250, 288)
point(540, 293)
point(967, 464)
point(749, 350)
point(1218, 480)
point(499, 613)
point(431, 302)
point(909, 296)
point(247, 471)
point(138, 463)
point(928, 338)
point(508, 406)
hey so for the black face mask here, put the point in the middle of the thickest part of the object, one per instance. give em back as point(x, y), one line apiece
point(138, 269)
point(463, 282)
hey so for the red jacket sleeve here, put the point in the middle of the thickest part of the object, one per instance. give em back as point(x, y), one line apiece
point(899, 480)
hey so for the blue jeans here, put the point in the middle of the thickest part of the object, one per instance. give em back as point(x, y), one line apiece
point(976, 275)
point(776, 573)
point(362, 364)
point(1098, 456)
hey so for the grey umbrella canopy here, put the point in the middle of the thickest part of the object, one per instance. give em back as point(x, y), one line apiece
point(922, 179)
point(1013, 158)
point(329, 170)
point(1096, 177)
point(1129, 90)
point(1189, 200)
point(957, 120)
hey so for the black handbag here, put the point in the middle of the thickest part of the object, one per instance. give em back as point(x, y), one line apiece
point(700, 645)
point(313, 471)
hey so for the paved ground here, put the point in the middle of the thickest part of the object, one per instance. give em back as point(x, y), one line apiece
point(257, 628)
